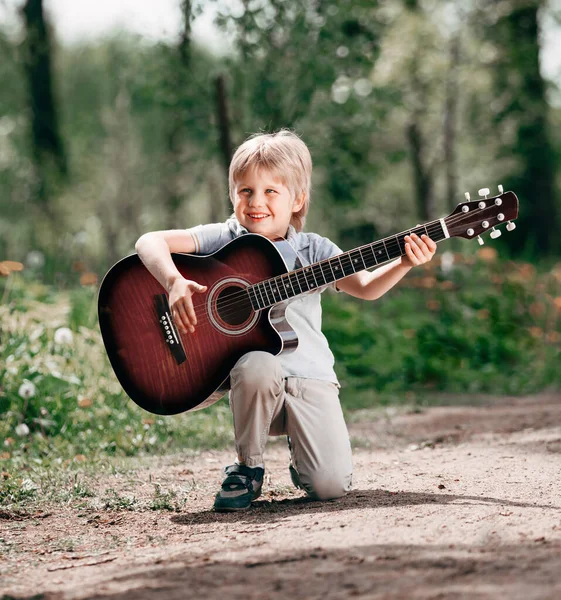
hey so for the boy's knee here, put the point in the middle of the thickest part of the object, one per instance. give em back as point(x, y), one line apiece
point(325, 485)
point(256, 370)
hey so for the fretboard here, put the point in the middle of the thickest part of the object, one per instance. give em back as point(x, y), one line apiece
point(317, 275)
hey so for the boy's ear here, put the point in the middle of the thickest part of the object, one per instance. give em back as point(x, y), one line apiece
point(299, 202)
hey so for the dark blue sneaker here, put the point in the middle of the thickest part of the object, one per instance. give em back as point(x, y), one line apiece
point(241, 486)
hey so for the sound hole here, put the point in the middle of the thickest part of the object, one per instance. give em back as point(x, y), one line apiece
point(233, 306)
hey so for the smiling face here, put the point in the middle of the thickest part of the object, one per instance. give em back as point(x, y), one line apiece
point(263, 204)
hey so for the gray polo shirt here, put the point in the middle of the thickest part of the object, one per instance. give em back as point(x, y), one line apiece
point(312, 359)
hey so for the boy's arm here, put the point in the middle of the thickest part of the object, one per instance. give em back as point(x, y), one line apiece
point(155, 250)
point(370, 286)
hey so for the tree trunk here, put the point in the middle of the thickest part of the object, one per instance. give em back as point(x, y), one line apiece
point(177, 121)
point(422, 175)
point(518, 78)
point(223, 120)
point(451, 125)
point(48, 149)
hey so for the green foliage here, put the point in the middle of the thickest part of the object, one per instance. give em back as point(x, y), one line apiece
point(489, 328)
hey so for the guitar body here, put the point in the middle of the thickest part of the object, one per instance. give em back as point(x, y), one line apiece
point(167, 372)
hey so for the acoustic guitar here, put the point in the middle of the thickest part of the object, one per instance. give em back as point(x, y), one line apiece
point(249, 283)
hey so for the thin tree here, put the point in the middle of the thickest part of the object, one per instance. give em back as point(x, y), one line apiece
point(47, 144)
point(524, 110)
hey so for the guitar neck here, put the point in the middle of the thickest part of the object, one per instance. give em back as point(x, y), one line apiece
point(269, 292)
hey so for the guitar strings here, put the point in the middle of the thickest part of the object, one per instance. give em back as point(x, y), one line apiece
point(235, 301)
point(302, 278)
point(240, 299)
point(317, 269)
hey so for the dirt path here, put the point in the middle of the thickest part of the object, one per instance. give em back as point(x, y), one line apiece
point(450, 503)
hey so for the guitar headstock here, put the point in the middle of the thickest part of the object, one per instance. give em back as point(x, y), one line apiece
point(472, 218)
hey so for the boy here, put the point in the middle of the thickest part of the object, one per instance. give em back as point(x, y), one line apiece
point(294, 394)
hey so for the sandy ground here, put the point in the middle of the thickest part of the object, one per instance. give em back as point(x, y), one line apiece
point(453, 502)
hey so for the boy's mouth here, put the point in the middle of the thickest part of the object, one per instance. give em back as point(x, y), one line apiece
point(257, 216)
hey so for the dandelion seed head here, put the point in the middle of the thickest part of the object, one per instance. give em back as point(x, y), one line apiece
point(27, 390)
point(63, 335)
point(22, 430)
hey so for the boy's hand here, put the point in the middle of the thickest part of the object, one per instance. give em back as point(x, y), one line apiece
point(418, 250)
point(181, 303)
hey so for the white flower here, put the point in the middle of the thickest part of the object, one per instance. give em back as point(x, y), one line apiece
point(63, 335)
point(22, 429)
point(27, 390)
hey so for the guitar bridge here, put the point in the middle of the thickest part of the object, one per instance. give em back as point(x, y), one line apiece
point(169, 330)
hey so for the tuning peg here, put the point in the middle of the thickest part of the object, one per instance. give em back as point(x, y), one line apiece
point(483, 192)
point(480, 240)
point(467, 196)
point(510, 226)
point(495, 233)
point(501, 190)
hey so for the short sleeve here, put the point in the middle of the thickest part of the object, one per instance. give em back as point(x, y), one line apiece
point(210, 238)
point(322, 248)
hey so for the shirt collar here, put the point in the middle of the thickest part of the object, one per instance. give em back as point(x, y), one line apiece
point(296, 239)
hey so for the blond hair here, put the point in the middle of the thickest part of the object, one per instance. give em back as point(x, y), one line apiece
point(283, 153)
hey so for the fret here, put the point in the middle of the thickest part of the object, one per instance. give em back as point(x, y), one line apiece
point(345, 269)
point(362, 258)
point(386, 249)
point(264, 283)
point(272, 288)
point(253, 299)
point(258, 287)
point(378, 252)
point(291, 286)
point(439, 234)
point(331, 267)
point(371, 260)
point(285, 285)
point(295, 275)
point(325, 281)
point(354, 261)
point(308, 269)
point(340, 267)
point(280, 288)
point(401, 243)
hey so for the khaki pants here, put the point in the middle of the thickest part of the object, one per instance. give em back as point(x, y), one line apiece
point(264, 403)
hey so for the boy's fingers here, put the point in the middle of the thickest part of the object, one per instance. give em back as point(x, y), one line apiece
point(410, 253)
point(431, 244)
point(181, 316)
point(191, 312)
point(414, 246)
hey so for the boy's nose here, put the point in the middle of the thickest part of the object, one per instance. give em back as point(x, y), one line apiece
point(256, 200)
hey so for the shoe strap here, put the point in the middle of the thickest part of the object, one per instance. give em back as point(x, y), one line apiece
point(243, 470)
point(235, 481)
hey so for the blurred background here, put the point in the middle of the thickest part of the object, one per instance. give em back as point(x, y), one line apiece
point(120, 117)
